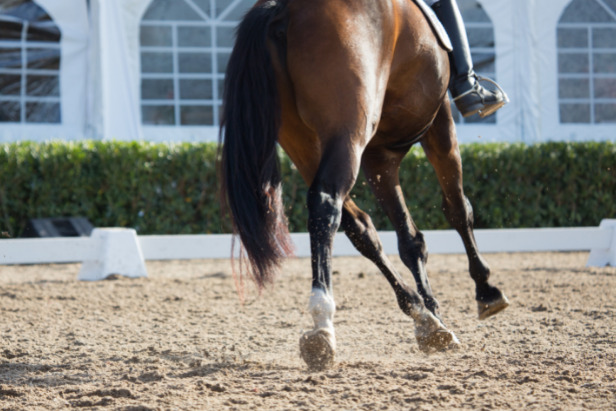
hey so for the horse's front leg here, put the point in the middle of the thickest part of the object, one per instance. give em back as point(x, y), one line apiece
point(441, 148)
point(381, 169)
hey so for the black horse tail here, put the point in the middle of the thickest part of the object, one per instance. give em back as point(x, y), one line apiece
point(251, 181)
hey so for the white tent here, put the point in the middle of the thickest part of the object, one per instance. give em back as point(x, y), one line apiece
point(43, 69)
point(153, 69)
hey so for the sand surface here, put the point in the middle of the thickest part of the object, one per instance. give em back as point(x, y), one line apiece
point(179, 339)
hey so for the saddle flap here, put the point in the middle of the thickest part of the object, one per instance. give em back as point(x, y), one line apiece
point(438, 28)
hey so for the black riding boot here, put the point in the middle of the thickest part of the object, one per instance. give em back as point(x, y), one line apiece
point(470, 96)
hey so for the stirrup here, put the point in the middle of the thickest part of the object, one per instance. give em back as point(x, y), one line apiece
point(486, 110)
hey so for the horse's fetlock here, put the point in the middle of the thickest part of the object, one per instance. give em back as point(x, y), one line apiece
point(488, 293)
point(432, 304)
point(408, 302)
point(480, 271)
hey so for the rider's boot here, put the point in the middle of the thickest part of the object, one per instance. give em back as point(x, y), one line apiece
point(468, 94)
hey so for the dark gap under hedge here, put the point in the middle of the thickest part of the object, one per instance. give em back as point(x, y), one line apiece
point(172, 188)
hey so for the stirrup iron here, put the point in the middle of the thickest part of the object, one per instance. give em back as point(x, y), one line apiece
point(487, 110)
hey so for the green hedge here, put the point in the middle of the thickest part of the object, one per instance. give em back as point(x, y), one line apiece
point(172, 188)
point(154, 188)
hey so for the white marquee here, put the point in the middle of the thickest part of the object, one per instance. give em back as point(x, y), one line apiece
point(153, 69)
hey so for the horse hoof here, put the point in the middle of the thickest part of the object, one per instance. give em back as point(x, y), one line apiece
point(488, 309)
point(317, 349)
point(432, 336)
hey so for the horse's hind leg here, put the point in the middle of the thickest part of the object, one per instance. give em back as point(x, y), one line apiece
point(335, 176)
point(441, 148)
point(431, 334)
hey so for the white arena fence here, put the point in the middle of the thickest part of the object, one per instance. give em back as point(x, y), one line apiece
point(120, 251)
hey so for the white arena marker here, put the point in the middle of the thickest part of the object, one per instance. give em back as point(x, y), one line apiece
point(600, 257)
point(117, 252)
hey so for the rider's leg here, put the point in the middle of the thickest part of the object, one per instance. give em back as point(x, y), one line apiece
point(469, 96)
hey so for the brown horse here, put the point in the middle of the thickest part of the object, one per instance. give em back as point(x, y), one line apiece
point(343, 85)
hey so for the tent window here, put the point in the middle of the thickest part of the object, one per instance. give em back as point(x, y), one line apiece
point(185, 46)
point(480, 32)
point(29, 64)
point(586, 37)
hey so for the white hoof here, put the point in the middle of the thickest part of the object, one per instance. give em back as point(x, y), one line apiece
point(318, 348)
point(432, 336)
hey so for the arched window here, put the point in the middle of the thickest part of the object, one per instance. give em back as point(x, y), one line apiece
point(586, 37)
point(480, 33)
point(29, 64)
point(185, 46)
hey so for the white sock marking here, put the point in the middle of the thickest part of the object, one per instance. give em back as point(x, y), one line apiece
point(322, 307)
